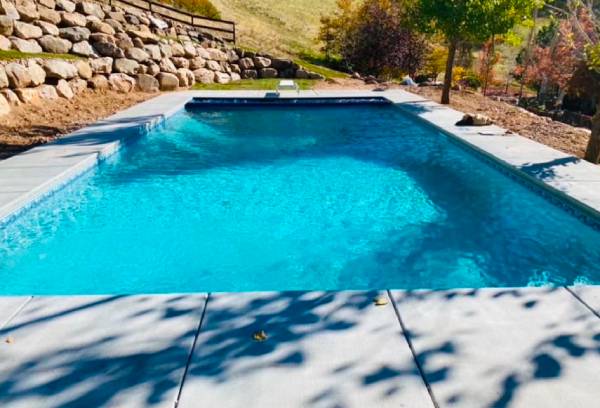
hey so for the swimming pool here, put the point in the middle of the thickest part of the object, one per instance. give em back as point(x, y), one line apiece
point(241, 198)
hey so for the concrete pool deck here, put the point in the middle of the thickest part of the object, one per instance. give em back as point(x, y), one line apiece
point(525, 347)
point(532, 347)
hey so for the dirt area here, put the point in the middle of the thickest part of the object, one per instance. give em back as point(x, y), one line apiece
point(558, 135)
point(29, 125)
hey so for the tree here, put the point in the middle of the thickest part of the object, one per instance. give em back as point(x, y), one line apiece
point(469, 20)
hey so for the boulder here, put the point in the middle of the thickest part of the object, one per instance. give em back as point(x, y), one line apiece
point(91, 9)
point(137, 42)
point(100, 37)
point(65, 5)
point(101, 65)
point(11, 97)
point(202, 53)
point(126, 66)
point(75, 34)
point(235, 68)
point(59, 69)
point(27, 31)
point(181, 62)
point(7, 25)
point(27, 11)
point(249, 74)
point(281, 64)
point(165, 50)
point(37, 74)
point(107, 49)
point(185, 77)
point(302, 74)
point(49, 15)
point(147, 83)
point(153, 69)
point(167, 81)
point(166, 65)
point(153, 52)
point(51, 4)
point(18, 75)
point(48, 28)
point(30, 95)
point(72, 19)
point(78, 85)
point(98, 82)
point(116, 26)
point(100, 27)
point(8, 9)
point(117, 16)
point(189, 50)
point(84, 49)
point(64, 90)
point(5, 43)
point(4, 106)
point(55, 45)
point(47, 92)
point(146, 36)
point(84, 70)
point(213, 65)
point(235, 77)
point(216, 54)
point(137, 54)
point(246, 63)
point(474, 120)
point(261, 62)
point(232, 56)
point(222, 78)
point(121, 83)
point(3, 78)
point(29, 46)
point(196, 63)
point(177, 50)
point(123, 41)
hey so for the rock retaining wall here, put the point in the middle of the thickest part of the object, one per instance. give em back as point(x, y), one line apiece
point(120, 49)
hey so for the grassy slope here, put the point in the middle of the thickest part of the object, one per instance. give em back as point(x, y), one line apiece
point(252, 84)
point(17, 55)
point(277, 26)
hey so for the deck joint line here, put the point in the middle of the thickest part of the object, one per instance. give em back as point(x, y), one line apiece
point(16, 313)
point(191, 354)
point(412, 350)
point(583, 302)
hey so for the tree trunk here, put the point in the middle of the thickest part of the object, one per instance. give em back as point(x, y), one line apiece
point(592, 153)
point(448, 74)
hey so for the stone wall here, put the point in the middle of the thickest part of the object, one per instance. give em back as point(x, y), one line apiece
point(119, 49)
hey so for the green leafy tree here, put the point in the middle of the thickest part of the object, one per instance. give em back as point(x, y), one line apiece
point(462, 21)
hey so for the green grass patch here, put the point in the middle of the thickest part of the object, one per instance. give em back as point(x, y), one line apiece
point(201, 7)
point(18, 55)
point(252, 84)
point(320, 69)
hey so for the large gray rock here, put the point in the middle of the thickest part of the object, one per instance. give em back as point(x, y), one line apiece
point(101, 65)
point(123, 41)
point(261, 62)
point(180, 62)
point(197, 63)
point(249, 74)
point(281, 64)
point(189, 50)
point(100, 27)
point(268, 73)
point(116, 26)
point(117, 16)
point(47, 92)
point(91, 9)
point(98, 82)
point(7, 25)
point(153, 69)
point(64, 89)
point(84, 69)
point(5, 43)
point(146, 36)
point(216, 54)
point(55, 45)
point(137, 54)
point(59, 69)
point(186, 77)
point(153, 51)
point(100, 37)
point(72, 19)
point(75, 34)
point(84, 49)
point(27, 10)
point(235, 77)
point(147, 83)
point(49, 15)
point(11, 97)
point(48, 28)
point(37, 74)
point(65, 5)
point(222, 78)
point(30, 95)
point(51, 4)
point(107, 49)
point(166, 65)
point(232, 56)
point(246, 63)
point(4, 106)
point(3, 78)
point(29, 46)
point(213, 65)
point(167, 81)
point(121, 83)
point(177, 50)
point(126, 66)
point(8, 9)
point(27, 31)
point(78, 85)
point(202, 53)
point(18, 75)
point(165, 50)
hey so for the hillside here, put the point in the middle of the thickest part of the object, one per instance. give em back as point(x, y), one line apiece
point(274, 25)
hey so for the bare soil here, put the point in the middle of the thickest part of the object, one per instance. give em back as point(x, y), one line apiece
point(563, 137)
point(32, 124)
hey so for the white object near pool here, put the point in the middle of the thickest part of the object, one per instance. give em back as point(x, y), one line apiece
point(288, 85)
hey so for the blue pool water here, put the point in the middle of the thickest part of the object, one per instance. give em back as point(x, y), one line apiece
point(274, 198)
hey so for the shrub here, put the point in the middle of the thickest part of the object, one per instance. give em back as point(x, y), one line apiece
point(202, 7)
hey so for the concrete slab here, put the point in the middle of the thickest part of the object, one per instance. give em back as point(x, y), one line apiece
point(9, 307)
point(588, 294)
point(323, 350)
point(504, 347)
point(98, 351)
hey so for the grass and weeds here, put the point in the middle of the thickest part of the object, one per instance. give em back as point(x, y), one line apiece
point(201, 7)
point(320, 69)
point(12, 55)
point(252, 84)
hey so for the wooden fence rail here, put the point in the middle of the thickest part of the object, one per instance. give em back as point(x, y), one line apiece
point(223, 29)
